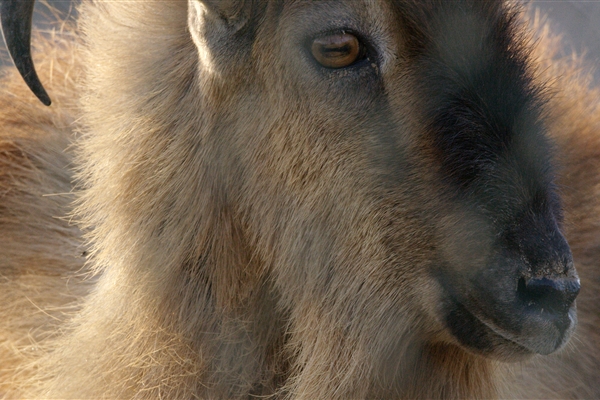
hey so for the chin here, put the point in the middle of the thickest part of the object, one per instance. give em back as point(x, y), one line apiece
point(536, 334)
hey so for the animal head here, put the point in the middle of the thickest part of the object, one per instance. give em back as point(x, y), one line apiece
point(384, 162)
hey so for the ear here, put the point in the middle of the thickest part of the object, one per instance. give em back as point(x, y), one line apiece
point(15, 16)
point(223, 31)
point(234, 13)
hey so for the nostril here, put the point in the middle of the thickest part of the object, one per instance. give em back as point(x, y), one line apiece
point(554, 295)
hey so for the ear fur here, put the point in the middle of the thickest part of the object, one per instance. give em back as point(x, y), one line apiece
point(235, 13)
point(223, 32)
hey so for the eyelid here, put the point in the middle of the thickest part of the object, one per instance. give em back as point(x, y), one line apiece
point(337, 31)
point(336, 51)
point(365, 47)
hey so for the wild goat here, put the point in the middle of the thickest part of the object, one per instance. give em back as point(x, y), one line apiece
point(297, 199)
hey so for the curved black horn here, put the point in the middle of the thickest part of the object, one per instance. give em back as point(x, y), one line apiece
point(16, 18)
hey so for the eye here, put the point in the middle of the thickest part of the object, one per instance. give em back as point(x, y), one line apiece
point(336, 51)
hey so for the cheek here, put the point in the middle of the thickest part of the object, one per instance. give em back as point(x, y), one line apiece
point(467, 242)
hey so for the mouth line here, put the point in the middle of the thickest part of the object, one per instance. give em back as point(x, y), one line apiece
point(500, 332)
point(482, 337)
point(513, 339)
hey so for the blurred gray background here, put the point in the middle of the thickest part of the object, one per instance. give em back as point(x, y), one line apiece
point(577, 20)
point(579, 23)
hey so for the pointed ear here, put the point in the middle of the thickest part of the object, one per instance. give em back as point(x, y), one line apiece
point(223, 31)
point(234, 13)
point(229, 10)
point(15, 16)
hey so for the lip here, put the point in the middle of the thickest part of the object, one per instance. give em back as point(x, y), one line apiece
point(532, 346)
point(479, 338)
point(478, 334)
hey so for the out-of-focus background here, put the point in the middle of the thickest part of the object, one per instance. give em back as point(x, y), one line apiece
point(577, 20)
point(579, 23)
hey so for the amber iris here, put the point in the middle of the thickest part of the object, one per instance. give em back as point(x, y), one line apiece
point(336, 51)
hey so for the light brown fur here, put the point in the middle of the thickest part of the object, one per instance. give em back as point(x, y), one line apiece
point(234, 247)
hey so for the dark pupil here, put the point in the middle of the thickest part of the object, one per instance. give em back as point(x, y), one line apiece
point(336, 51)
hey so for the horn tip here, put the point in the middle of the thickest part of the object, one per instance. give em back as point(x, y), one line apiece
point(36, 87)
point(45, 99)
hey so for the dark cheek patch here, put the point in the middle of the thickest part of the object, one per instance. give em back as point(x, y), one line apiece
point(480, 104)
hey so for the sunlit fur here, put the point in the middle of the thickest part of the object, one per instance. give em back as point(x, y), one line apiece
point(227, 253)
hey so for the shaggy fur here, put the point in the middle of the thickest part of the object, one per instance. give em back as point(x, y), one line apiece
point(237, 242)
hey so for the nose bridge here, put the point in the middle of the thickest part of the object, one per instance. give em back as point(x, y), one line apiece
point(545, 248)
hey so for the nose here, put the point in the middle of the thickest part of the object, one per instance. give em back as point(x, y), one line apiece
point(554, 295)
